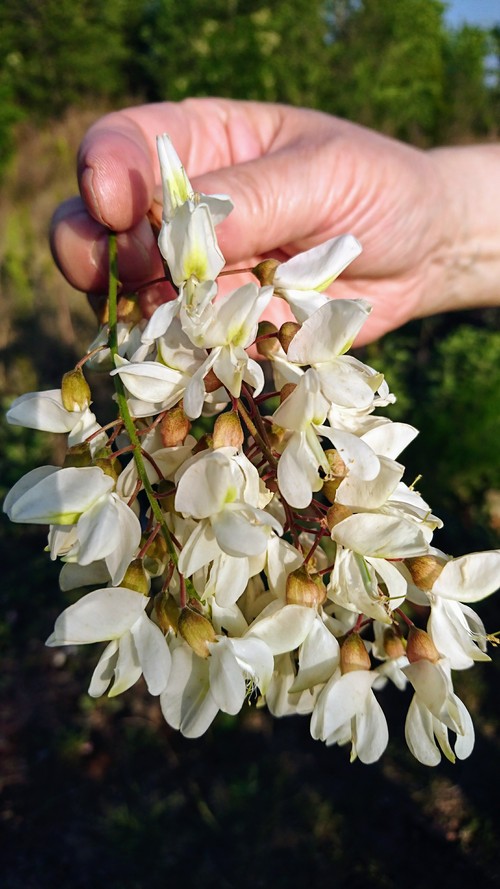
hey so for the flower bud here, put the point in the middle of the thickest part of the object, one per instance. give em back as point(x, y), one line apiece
point(155, 556)
point(270, 345)
point(393, 643)
point(211, 381)
point(303, 588)
point(420, 647)
point(337, 513)
point(353, 654)
point(338, 472)
point(167, 612)
point(286, 391)
point(135, 578)
point(78, 455)
point(109, 464)
point(266, 270)
point(174, 427)
point(75, 391)
point(227, 431)
point(196, 630)
point(287, 332)
point(424, 570)
point(127, 310)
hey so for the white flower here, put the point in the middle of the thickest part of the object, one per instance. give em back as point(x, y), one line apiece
point(50, 495)
point(435, 709)
point(347, 710)
point(45, 411)
point(200, 687)
point(221, 490)
point(300, 279)
point(137, 645)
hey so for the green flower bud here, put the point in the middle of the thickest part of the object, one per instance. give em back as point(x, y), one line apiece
point(167, 612)
point(78, 455)
point(75, 391)
point(135, 578)
point(196, 630)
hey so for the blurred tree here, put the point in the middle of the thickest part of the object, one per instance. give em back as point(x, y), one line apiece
point(245, 49)
point(56, 53)
point(468, 108)
point(387, 65)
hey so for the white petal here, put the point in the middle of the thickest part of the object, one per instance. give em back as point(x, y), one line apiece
point(227, 683)
point(45, 496)
point(154, 654)
point(318, 658)
point(97, 617)
point(42, 410)
point(372, 733)
point(127, 669)
point(256, 659)
point(238, 537)
point(382, 536)
point(329, 332)
point(104, 671)
point(344, 698)
point(199, 549)
point(284, 629)
point(316, 268)
point(151, 381)
point(469, 578)
point(187, 704)
point(419, 734)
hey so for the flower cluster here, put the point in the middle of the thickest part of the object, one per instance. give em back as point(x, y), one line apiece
point(277, 557)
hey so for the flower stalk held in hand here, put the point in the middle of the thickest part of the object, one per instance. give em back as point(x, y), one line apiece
point(279, 556)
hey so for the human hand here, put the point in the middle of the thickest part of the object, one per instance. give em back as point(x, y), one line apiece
point(297, 178)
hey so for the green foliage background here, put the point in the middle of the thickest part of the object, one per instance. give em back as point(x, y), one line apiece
point(104, 791)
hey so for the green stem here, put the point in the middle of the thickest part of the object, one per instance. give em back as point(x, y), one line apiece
point(122, 400)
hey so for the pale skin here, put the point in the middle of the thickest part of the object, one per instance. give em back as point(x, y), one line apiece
point(429, 222)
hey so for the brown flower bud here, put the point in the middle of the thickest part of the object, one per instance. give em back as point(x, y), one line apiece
point(303, 588)
point(135, 578)
point(174, 427)
point(424, 570)
point(211, 381)
point(286, 391)
point(353, 654)
point(128, 310)
point(420, 647)
point(270, 345)
point(266, 270)
point(196, 630)
point(75, 391)
point(227, 431)
point(287, 332)
point(167, 612)
point(393, 643)
point(156, 554)
point(337, 513)
point(338, 471)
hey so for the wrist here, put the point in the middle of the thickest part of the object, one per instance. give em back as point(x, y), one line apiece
point(470, 255)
